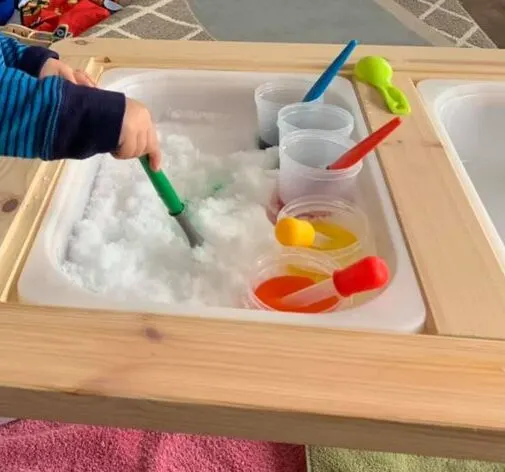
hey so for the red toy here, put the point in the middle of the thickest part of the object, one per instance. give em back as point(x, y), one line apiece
point(62, 17)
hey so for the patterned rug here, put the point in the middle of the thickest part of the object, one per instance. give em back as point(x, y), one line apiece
point(174, 19)
point(152, 19)
point(450, 19)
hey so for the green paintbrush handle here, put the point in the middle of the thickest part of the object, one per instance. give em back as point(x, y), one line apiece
point(164, 188)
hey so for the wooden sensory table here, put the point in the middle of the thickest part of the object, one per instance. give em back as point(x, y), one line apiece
point(437, 393)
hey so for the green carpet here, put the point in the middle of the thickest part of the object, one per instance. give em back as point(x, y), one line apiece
point(327, 459)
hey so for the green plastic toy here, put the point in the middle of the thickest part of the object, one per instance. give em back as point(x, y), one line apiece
point(376, 71)
point(175, 207)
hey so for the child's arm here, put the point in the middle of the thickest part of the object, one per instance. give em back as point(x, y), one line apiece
point(53, 118)
point(39, 62)
point(29, 59)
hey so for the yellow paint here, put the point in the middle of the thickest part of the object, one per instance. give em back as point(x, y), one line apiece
point(341, 238)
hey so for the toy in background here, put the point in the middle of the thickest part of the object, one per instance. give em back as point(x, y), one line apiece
point(28, 36)
point(65, 18)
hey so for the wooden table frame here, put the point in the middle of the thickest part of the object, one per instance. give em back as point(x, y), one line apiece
point(441, 393)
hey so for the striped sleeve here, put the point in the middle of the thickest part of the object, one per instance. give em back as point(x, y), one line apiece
point(55, 119)
point(29, 59)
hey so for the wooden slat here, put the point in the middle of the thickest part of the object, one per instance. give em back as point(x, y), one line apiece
point(449, 246)
point(16, 177)
point(419, 394)
point(18, 228)
point(25, 191)
point(276, 56)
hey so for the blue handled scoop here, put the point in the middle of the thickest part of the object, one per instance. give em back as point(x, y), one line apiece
point(329, 74)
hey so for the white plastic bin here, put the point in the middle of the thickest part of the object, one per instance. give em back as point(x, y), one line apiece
point(470, 119)
point(216, 109)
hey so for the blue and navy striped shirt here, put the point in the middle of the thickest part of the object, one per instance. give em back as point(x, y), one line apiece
point(52, 118)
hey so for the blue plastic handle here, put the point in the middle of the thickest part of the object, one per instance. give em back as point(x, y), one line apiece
point(329, 74)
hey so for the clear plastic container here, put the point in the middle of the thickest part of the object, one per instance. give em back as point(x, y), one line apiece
point(288, 261)
point(270, 97)
point(304, 156)
point(342, 221)
point(316, 116)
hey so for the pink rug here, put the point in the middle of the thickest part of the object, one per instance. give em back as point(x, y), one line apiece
point(37, 446)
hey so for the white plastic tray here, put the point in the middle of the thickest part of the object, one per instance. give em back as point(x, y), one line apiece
point(398, 308)
point(470, 119)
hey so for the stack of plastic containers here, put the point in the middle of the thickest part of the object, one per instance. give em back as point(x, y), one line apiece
point(310, 136)
point(270, 98)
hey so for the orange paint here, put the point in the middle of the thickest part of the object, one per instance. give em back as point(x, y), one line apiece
point(272, 290)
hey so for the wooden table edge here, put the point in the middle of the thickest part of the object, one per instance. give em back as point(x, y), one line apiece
point(406, 393)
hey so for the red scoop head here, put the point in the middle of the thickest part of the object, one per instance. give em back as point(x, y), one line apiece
point(369, 273)
point(361, 150)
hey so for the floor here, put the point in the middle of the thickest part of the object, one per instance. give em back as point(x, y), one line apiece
point(446, 21)
point(454, 20)
point(490, 14)
point(295, 20)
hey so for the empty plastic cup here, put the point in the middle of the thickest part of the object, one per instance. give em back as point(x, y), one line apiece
point(344, 223)
point(293, 266)
point(270, 98)
point(304, 156)
point(315, 116)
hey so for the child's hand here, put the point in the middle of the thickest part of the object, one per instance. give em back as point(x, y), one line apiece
point(138, 135)
point(56, 67)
